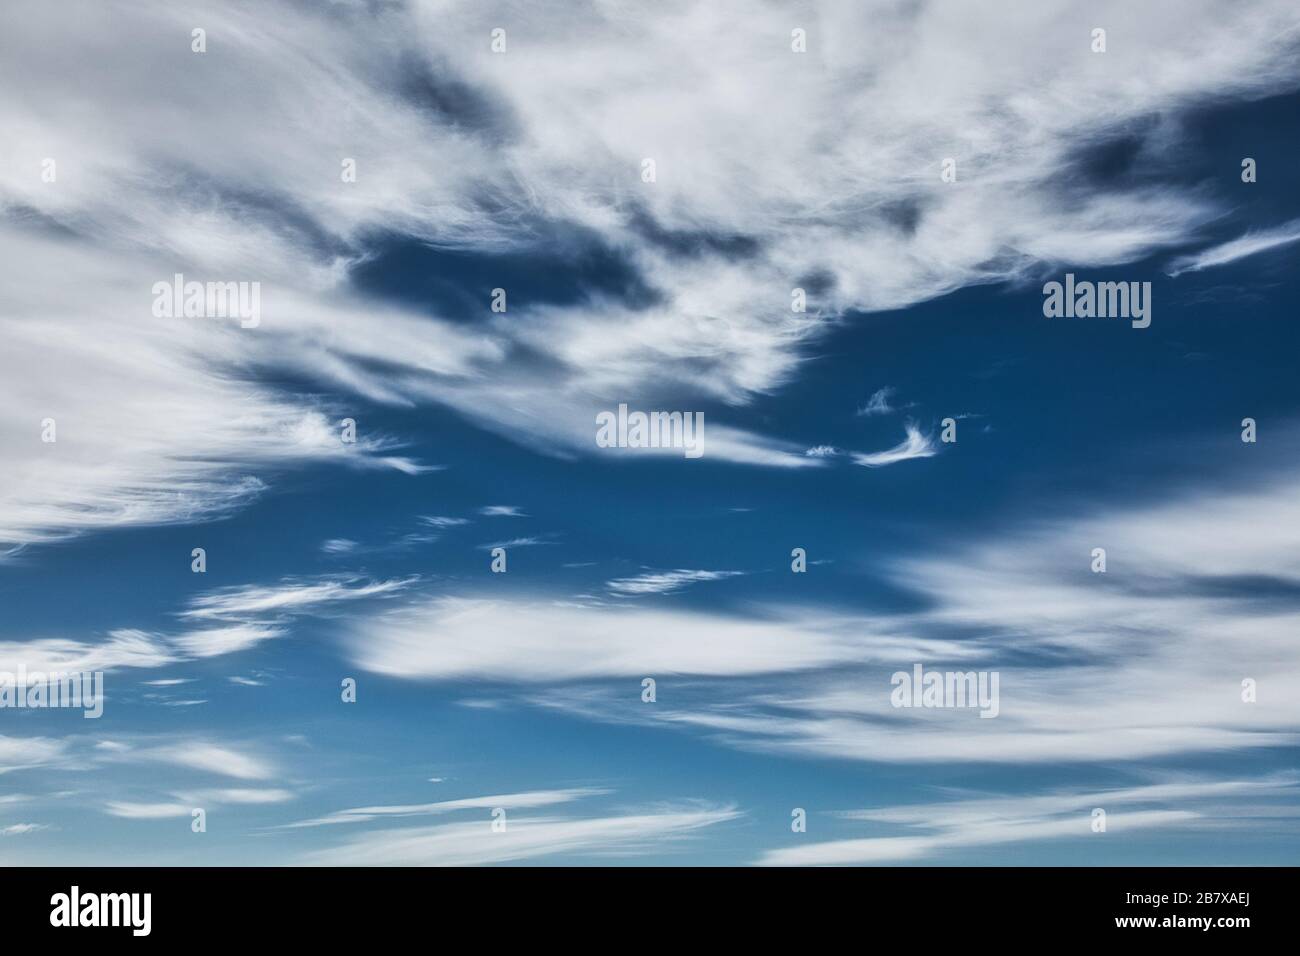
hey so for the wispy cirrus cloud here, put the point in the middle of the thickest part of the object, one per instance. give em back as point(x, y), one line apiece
point(183, 804)
point(1093, 667)
point(472, 843)
point(208, 757)
point(527, 541)
point(509, 801)
point(123, 648)
point(229, 639)
point(1252, 243)
point(963, 824)
point(440, 521)
point(823, 451)
point(21, 753)
point(338, 546)
point(535, 641)
point(289, 596)
point(19, 829)
point(1112, 660)
point(502, 511)
point(232, 619)
point(132, 394)
point(878, 403)
point(915, 445)
point(665, 582)
point(159, 810)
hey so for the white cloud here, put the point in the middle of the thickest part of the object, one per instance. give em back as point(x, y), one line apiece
point(878, 404)
point(509, 801)
point(990, 821)
point(1143, 662)
point(142, 194)
point(20, 753)
point(213, 641)
point(184, 804)
point(209, 758)
point(18, 829)
point(915, 445)
point(146, 811)
point(822, 451)
point(536, 641)
point(231, 612)
point(896, 849)
point(290, 596)
point(1248, 245)
point(123, 648)
point(665, 582)
point(471, 843)
point(502, 511)
point(438, 521)
point(250, 795)
point(525, 542)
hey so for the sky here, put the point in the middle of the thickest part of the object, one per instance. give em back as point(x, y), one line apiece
point(347, 681)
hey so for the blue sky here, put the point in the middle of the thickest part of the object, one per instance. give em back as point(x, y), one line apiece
point(521, 170)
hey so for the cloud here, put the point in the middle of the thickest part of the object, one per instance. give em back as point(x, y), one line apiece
point(742, 447)
point(18, 829)
point(525, 542)
point(502, 511)
point(438, 521)
point(915, 445)
point(473, 843)
point(209, 758)
point(135, 440)
point(123, 648)
point(535, 641)
point(707, 253)
point(665, 582)
point(338, 546)
point(231, 639)
point(1252, 243)
point(294, 597)
point(1021, 818)
point(146, 811)
point(21, 753)
point(878, 404)
point(510, 801)
point(185, 803)
point(249, 795)
point(897, 849)
point(1093, 667)
point(232, 612)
